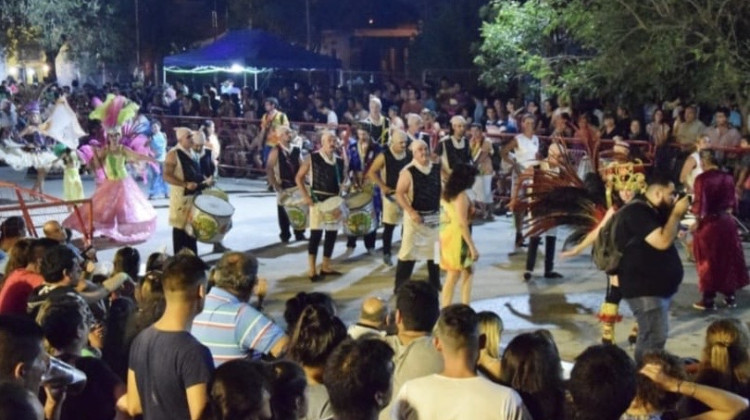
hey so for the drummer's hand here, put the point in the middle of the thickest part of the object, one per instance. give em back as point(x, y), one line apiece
point(209, 181)
point(309, 201)
point(191, 186)
point(415, 217)
point(387, 190)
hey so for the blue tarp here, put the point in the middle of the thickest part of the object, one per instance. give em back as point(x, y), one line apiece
point(251, 48)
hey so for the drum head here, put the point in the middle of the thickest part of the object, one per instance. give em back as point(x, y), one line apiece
point(214, 206)
point(358, 200)
point(216, 193)
point(331, 204)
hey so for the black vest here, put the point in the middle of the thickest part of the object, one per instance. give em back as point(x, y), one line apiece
point(207, 164)
point(426, 189)
point(326, 178)
point(191, 170)
point(288, 166)
point(456, 156)
point(394, 166)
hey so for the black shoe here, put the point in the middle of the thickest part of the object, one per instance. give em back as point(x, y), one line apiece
point(316, 278)
point(527, 276)
point(552, 275)
point(387, 260)
point(284, 239)
point(300, 237)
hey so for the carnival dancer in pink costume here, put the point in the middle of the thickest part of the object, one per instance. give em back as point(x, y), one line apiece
point(121, 211)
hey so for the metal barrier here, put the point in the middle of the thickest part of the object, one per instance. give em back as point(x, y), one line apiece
point(37, 209)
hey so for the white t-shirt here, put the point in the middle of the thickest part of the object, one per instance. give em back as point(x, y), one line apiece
point(437, 397)
point(526, 151)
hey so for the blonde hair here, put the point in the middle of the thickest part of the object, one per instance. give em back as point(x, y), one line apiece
point(491, 325)
point(726, 350)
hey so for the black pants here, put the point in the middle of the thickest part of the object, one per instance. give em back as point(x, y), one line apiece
point(285, 225)
point(351, 241)
point(180, 239)
point(328, 243)
point(388, 237)
point(404, 270)
point(613, 293)
point(549, 253)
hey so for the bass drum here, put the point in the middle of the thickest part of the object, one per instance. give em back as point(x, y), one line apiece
point(210, 219)
point(362, 219)
point(295, 207)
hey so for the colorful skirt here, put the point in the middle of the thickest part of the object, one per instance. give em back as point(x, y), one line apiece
point(121, 212)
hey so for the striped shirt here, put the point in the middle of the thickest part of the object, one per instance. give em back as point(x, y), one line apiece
point(233, 329)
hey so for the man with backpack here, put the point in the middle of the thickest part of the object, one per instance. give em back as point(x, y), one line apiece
point(649, 269)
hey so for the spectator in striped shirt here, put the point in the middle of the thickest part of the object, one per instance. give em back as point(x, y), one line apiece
point(229, 326)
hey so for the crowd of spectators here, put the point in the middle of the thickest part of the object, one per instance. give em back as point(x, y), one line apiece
point(666, 132)
point(189, 341)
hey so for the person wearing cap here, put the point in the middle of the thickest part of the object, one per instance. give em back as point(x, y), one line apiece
point(414, 129)
point(453, 149)
point(362, 154)
point(284, 161)
point(272, 119)
point(384, 172)
point(182, 172)
point(418, 192)
point(377, 123)
point(329, 180)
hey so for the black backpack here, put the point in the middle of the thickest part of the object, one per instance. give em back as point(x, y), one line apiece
point(606, 254)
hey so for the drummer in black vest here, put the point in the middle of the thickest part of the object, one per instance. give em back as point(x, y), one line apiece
point(384, 172)
point(208, 170)
point(283, 164)
point(418, 193)
point(328, 175)
point(454, 149)
point(182, 171)
point(362, 154)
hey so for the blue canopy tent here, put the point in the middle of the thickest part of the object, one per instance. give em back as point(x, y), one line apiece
point(247, 51)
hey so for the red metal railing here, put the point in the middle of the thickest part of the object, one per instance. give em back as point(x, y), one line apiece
point(37, 209)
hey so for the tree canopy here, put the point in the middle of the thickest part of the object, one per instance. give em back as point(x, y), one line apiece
point(630, 50)
point(93, 27)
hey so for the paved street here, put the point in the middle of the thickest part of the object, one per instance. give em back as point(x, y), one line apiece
point(564, 306)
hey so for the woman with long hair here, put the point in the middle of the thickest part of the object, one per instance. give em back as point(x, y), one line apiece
point(531, 366)
point(662, 382)
point(315, 336)
point(457, 250)
point(491, 326)
point(725, 362)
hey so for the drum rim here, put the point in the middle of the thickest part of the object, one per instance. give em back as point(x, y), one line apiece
point(350, 201)
point(330, 203)
point(211, 197)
